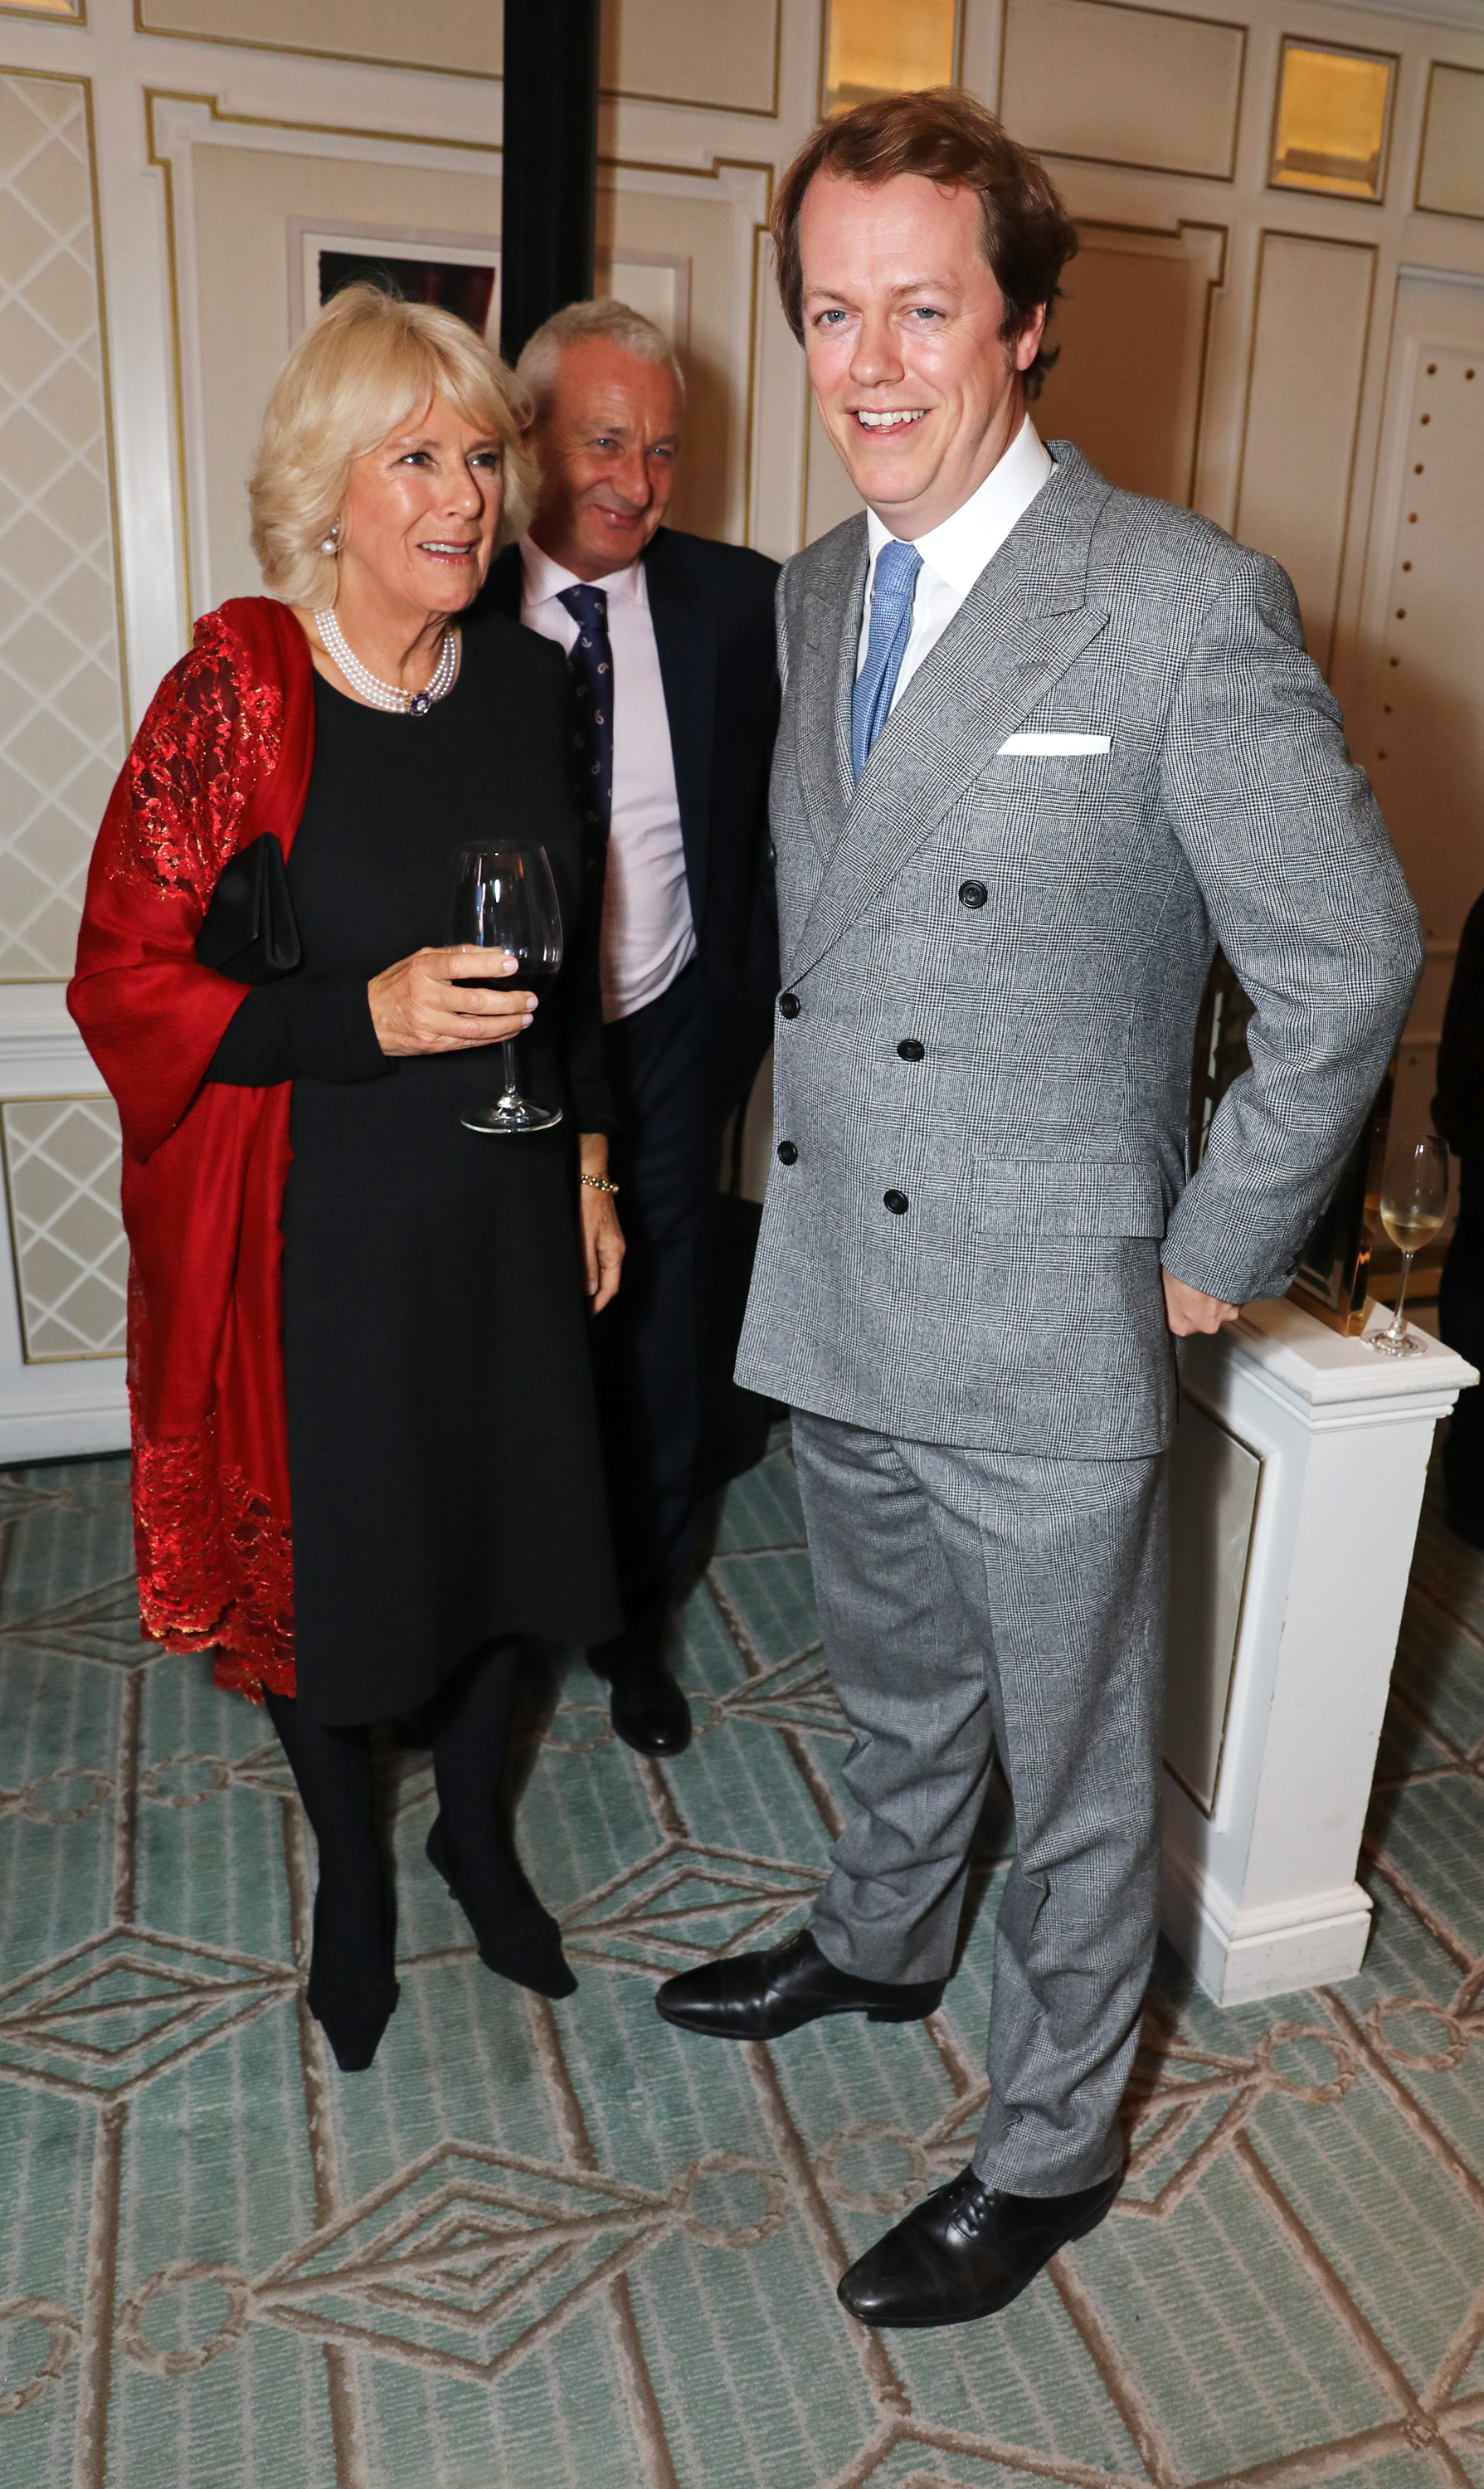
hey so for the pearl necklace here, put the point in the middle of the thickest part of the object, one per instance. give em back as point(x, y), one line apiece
point(388, 695)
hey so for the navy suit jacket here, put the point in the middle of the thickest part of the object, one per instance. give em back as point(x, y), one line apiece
point(712, 609)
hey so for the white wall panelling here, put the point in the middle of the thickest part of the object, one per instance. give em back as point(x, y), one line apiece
point(208, 143)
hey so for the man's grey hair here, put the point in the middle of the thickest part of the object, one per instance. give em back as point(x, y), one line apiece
point(618, 323)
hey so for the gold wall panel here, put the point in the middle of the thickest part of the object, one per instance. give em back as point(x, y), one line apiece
point(465, 36)
point(682, 52)
point(1131, 332)
point(1304, 398)
point(1451, 177)
point(1123, 86)
point(1333, 121)
point(879, 48)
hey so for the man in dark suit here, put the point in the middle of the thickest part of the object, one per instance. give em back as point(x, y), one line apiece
point(670, 639)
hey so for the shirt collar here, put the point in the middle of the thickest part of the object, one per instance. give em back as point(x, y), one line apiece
point(546, 579)
point(958, 549)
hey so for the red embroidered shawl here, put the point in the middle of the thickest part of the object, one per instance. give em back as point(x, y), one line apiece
point(224, 753)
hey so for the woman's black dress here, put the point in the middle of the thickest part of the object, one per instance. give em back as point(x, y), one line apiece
point(444, 1461)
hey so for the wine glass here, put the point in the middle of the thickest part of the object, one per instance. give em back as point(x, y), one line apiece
point(505, 900)
point(1414, 1205)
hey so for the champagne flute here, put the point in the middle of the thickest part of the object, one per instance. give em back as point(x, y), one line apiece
point(1414, 1205)
point(505, 900)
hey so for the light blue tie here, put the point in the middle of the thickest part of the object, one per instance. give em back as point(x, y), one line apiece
point(891, 627)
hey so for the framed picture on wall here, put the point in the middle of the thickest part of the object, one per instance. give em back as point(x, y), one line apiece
point(458, 273)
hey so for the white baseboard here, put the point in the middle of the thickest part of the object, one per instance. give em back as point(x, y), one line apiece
point(1241, 1956)
point(80, 1431)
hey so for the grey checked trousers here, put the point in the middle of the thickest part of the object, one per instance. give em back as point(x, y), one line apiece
point(973, 1602)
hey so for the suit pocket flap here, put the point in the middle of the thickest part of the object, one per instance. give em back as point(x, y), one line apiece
point(1071, 1196)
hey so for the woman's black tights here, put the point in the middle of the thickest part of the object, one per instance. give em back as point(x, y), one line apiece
point(469, 1725)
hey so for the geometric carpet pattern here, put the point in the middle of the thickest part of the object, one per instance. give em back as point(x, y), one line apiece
point(567, 2248)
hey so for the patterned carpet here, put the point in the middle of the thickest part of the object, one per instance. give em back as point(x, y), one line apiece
point(570, 2248)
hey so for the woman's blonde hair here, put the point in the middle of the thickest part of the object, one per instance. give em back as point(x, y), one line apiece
point(368, 363)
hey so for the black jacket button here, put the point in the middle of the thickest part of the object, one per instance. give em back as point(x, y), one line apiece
point(910, 1050)
point(789, 1004)
point(896, 1202)
point(972, 894)
point(788, 1152)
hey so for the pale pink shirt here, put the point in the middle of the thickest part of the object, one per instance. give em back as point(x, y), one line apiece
point(647, 934)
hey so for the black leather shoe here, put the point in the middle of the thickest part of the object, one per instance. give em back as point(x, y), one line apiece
point(648, 1710)
point(965, 2251)
point(761, 1996)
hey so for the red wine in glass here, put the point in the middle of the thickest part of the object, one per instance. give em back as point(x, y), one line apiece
point(504, 899)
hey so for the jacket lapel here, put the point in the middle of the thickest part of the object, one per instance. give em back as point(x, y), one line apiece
point(822, 676)
point(685, 637)
point(1025, 621)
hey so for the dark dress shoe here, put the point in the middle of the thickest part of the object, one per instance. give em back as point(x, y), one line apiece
point(517, 1938)
point(966, 2251)
point(648, 1710)
point(761, 1996)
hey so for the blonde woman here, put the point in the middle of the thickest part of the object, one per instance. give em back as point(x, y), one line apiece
point(345, 1306)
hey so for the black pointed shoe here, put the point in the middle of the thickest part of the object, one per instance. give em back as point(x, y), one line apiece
point(967, 2250)
point(647, 1709)
point(517, 1938)
point(761, 1996)
point(353, 2001)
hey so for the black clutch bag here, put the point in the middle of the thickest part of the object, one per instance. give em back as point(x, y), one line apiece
point(249, 930)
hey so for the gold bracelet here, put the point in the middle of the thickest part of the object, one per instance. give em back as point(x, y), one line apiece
point(599, 1183)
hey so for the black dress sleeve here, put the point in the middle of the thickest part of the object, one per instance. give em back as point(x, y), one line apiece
point(317, 1026)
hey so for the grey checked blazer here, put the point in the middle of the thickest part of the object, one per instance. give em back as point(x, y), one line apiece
point(1038, 930)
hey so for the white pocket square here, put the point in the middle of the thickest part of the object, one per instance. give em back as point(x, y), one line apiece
point(1051, 747)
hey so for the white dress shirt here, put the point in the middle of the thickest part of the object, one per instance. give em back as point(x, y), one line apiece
point(647, 934)
point(956, 553)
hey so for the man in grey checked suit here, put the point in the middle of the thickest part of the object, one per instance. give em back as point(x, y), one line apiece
point(1043, 745)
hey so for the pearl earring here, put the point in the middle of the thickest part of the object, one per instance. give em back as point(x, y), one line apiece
point(332, 542)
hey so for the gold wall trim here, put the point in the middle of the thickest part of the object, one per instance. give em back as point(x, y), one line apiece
point(1214, 285)
point(76, 16)
point(703, 103)
point(713, 172)
point(162, 164)
point(303, 51)
point(1336, 242)
point(483, 78)
point(1349, 52)
point(1122, 163)
point(1459, 216)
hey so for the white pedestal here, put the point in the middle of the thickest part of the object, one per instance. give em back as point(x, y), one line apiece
point(1284, 1628)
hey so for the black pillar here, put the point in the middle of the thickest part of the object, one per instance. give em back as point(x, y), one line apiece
point(551, 163)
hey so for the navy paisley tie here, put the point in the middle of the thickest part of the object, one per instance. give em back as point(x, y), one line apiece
point(590, 658)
